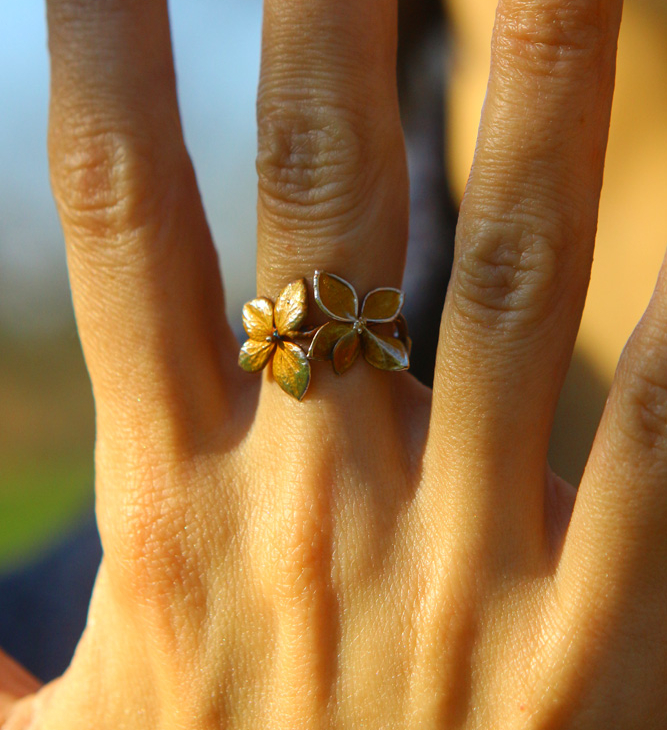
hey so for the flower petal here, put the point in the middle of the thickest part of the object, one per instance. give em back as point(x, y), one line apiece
point(346, 351)
point(255, 354)
point(325, 339)
point(385, 353)
point(335, 297)
point(402, 332)
point(258, 318)
point(382, 305)
point(291, 369)
point(291, 307)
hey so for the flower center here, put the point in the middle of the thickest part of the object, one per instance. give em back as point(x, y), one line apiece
point(359, 325)
point(274, 336)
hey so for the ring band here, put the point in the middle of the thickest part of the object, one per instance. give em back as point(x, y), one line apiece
point(376, 328)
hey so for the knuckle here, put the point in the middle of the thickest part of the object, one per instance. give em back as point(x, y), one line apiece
point(294, 566)
point(643, 389)
point(553, 37)
point(293, 549)
point(506, 278)
point(107, 180)
point(313, 165)
point(152, 557)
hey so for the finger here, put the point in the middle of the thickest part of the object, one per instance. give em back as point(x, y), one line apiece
point(618, 531)
point(15, 680)
point(143, 270)
point(332, 173)
point(523, 255)
point(15, 683)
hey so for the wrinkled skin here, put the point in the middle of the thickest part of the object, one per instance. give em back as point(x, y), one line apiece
point(377, 556)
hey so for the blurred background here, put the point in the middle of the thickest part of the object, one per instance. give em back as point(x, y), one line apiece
point(46, 411)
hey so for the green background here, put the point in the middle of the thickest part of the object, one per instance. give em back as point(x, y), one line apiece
point(46, 440)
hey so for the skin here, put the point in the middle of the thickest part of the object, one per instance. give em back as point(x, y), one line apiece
point(632, 227)
point(377, 556)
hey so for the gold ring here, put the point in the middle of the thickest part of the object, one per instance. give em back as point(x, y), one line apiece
point(377, 328)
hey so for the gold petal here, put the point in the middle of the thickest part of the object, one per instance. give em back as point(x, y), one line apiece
point(325, 339)
point(255, 354)
point(291, 307)
point(335, 297)
point(291, 369)
point(402, 332)
point(382, 305)
point(258, 318)
point(385, 353)
point(346, 351)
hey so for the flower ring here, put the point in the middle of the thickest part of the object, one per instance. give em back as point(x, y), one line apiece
point(377, 328)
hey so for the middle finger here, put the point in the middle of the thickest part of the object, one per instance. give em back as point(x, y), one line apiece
point(333, 191)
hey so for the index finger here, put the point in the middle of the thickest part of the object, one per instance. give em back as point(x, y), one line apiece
point(143, 270)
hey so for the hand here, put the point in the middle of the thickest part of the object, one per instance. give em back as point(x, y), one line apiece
point(373, 557)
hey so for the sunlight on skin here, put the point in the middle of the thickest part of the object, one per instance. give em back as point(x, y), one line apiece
point(632, 230)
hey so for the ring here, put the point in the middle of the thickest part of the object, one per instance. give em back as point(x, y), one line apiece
point(377, 329)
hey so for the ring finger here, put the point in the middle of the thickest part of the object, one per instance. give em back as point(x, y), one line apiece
point(333, 191)
point(524, 250)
